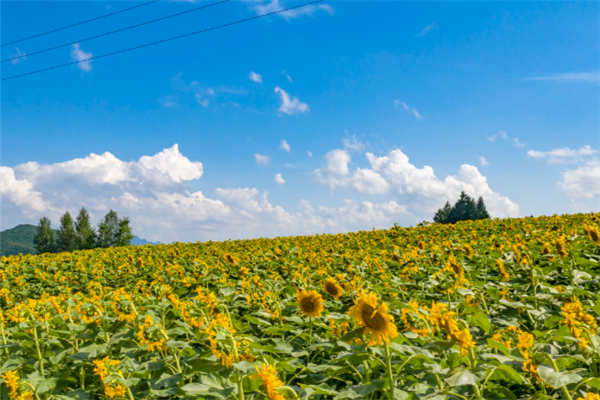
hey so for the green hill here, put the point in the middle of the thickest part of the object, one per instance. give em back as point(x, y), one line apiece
point(19, 240)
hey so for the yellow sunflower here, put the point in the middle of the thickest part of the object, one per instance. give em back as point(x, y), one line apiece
point(310, 303)
point(330, 286)
point(374, 319)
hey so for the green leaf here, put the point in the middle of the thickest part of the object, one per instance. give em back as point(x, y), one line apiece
point(360, 391)
point(321, 389)
point(506, 373)
point(352, 335)
point(556, 379)
point(463, 378)
point(481, 320)
point(46, 385)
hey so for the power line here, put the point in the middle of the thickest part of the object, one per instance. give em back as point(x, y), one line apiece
point(80, 23)
point(164, 40)
point(110, 33)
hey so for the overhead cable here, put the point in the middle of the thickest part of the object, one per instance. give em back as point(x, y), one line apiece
point(110, 33)
point(164, 40)
point(80, 23)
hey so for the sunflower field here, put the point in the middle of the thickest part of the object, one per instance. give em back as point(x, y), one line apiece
point(489, 309)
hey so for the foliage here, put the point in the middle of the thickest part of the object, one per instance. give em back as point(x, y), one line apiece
point(17, 240)
point(85, 234)
point(66, 237)
point(464, 209)
point(44, 237)
point(114, 231)
point(488, 309)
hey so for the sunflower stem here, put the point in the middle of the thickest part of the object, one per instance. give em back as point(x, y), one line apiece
point(390, 372)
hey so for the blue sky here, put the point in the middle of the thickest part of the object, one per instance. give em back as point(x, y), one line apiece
point(388, 110)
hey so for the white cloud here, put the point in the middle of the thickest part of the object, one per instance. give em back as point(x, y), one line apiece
point(289, 78)
point(402, 105)
point(517, 143)
point(483, 161)
point(290, 105)
point(563, 155)
point(310, 154)
point(154, 191)
point(79, 55)
point(500, 134)
point(262, 7)
point(279, 179)
point(285, 146)
point(22, 56)
point(583, 182)
point(254, 77)
point(261, 160)
point(591, 77)
point(421, 188)
point(353, 144)
point(426, 29)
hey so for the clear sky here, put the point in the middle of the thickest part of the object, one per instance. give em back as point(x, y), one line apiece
point(343, 115)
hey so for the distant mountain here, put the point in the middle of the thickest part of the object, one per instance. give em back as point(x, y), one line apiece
point(19, 240)
point(136, 241)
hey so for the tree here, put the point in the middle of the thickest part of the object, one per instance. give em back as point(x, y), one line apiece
point(44, 237)
point(465, 208)
point(443, 214)
point(66, 237)
point(480, 210)
point(113, 231)
point(85, 235)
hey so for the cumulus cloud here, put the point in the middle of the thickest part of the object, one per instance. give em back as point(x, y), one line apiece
point(583, 182)
point(285, 146)
point(290, 105)
point(254, 77)
point(563, 155)
point(483, 161)
point(262, 7)
point(423, 191)
point(261, 160)
point(402, 105)
point(279, 179)
point(154, 191)
point(427, 29)
point(500, 134)
point(81, 56)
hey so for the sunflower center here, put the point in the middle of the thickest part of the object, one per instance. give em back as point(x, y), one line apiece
point(376, 322)
point(332, 289)
point(308, 304)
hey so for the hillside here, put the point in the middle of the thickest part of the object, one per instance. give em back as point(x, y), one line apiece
point(463, 311)
point(19, 240)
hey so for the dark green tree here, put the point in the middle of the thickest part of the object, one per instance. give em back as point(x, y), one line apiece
point(124, 235)
point(480, 210)
point(66, 237)
point(443, 214)
point(465, 208)
point(44, 237)
point(113, 231)
point(86, 236)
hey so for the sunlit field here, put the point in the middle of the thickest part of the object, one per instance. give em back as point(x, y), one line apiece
point(490, 309)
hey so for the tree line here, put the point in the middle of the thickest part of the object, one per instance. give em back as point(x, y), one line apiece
point(111, 231)
point(465, 208)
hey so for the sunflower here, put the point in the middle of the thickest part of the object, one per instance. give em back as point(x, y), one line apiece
point(374, 319)
point(310, 303)
point(330, 286)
